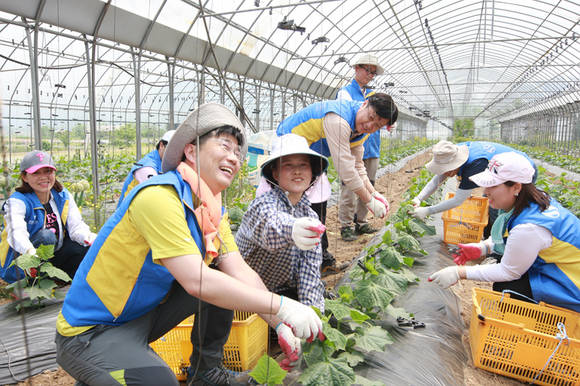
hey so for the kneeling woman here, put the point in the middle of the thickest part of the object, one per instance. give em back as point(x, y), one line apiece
point(42, 212)
point(542, 239)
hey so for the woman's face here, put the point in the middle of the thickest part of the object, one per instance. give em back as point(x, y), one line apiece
point(41, 181)
point(502, 196)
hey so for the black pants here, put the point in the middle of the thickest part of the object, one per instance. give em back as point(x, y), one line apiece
point(68, 257)
point(95, 356)
point(521, 285)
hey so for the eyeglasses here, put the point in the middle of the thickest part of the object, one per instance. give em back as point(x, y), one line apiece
point(368, 70)
point(230, 147)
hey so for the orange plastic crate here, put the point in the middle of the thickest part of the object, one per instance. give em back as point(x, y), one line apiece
point(514, 338)
point(247, 342)
point(465, 223)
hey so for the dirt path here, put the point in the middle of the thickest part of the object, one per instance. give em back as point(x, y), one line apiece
point(392, 186)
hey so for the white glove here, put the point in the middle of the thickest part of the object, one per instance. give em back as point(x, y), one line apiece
point(421, 212)
point(416, 202)
point(377, 208)
point(445, 277)
point(290, 345)
point(90, 239)
point(303, 321)
point(31, 251)
point(382, 199)
point(303, 236)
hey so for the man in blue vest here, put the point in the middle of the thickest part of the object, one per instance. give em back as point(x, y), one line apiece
point(338, 128)
point(165, 254)
point(147, 167)
point(351, 210)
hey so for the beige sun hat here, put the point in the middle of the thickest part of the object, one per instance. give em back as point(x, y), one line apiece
point(447, 156)
point(204, 119)
point(289, 144)
point(370, 60)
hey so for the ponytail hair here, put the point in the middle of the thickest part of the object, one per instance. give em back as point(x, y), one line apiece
point(529, 193)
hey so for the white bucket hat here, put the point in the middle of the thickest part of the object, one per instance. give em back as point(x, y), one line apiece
point(447, 156)
point(204, 119)
point(289, 144)
point(503, 167)
point(370, 60)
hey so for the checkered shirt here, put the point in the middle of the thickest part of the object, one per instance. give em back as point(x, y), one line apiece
point(265, 241)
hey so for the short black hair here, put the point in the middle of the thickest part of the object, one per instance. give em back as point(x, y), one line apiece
point(218, 132)
point(384, 106)
point(161, 141)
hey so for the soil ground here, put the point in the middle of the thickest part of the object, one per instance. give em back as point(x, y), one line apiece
point(391, 186)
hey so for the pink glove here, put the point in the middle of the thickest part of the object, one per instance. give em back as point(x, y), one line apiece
point(290, 345)
point(467, 252)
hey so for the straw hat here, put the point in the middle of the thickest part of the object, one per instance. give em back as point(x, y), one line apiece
point(201, 121)
point(447, 156)
point(370, 60)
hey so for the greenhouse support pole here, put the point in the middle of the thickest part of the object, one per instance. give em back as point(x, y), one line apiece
point(271, 109)
point(93, 128)
point(171, 79)
point(258, 107)
point(33, 52)
point(137, 77)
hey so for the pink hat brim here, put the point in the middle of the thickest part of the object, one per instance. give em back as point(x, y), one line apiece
point(486, 179)
point(34, 168)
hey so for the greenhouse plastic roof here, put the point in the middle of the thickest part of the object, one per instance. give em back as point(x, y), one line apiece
point(491, 59)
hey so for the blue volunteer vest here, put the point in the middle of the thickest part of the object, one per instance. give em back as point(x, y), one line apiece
point(372, 144)
point(555, 274)
point(35, 217)
point(307, 123)
point(482, 149)
point(151, 159)
point(90, 302)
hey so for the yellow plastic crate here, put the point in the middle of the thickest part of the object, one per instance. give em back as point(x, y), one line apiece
point(465, 223)
point(247, 342)
point(514, 338)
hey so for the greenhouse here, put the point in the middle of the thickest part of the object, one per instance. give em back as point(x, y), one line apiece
point(106, 99)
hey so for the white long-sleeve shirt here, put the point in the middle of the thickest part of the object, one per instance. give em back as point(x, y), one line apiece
point(524, 243)
point(17, 232)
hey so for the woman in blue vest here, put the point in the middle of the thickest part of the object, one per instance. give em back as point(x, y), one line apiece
point(541, 258)
point(42, 212)
point(462, 160)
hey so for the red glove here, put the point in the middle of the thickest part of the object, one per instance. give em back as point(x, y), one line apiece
point(290, 345)
point(467, 252)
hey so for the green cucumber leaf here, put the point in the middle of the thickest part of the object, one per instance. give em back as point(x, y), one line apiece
point(268, 372)
point(335, 372)
point(373, 338)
